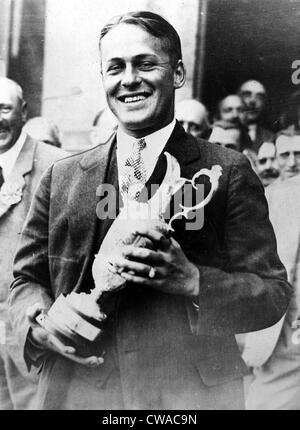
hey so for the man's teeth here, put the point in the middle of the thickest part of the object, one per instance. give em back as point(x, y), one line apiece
point(134, 99)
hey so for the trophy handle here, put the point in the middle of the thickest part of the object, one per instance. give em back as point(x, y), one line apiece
point(214, 174)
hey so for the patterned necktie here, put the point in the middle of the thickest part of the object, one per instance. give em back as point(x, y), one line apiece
point(1, 177)
point(135, 175)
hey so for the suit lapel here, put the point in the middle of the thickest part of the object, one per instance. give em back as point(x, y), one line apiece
point(82, 216)
point(111, 178)
point(185, 149)
point(11, 191)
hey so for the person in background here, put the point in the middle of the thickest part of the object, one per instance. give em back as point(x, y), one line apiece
point(169, 335)
point(226, 134)
point(193, 117)
point(230, 135)
point(266, 164)
point(44, 130)
point(254, 97)
point(22, 162)
point(104, 125)
point(231, 109)
point(274, 353)
point(233, 136)
point(288, 152)
point(291, 114)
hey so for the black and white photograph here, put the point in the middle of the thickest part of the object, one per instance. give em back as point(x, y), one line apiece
point(149, 207)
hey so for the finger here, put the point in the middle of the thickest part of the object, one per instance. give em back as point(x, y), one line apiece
point(143, 255)
point(149, 282)
point(57, 345)
point(112, 267)
point(50, 341)
point(175, 243)
point(70, 352)
point(155, 236)
point(140, 269)
point(92, 361)
point(40, 336)
point(165, 244)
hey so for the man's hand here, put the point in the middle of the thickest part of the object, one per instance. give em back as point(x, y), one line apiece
point(166, 268)
point(48, 341)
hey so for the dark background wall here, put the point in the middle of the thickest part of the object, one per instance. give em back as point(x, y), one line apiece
point(27, 67)
point(245, 39)
point(251, 39)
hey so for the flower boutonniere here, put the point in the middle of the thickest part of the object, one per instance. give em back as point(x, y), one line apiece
point(11, 193)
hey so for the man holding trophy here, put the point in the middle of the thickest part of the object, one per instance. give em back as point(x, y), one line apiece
point(139, 311)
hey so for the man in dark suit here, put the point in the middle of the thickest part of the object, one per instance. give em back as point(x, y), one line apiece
point(254, 96)
point(193, 117)
point(169, 338)
point(22, 162)
point(231, 108)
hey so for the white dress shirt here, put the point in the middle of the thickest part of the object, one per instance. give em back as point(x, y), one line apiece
point(252, 131)
point(8, 159)
point(155, 143)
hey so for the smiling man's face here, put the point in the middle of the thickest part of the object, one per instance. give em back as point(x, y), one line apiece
point(139, 79)
point(12, 115)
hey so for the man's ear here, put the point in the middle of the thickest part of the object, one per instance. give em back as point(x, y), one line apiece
point(24, 112)
point(179, 75)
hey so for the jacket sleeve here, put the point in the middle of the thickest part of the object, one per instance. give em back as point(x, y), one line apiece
point(31, 270)
point(250, 291)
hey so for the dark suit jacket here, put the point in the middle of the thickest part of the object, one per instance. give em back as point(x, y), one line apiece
point(262, 135)
point(160, 350)
point(34, 158)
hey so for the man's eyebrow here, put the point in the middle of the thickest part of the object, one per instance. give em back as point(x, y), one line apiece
point(135, 58)
point(262, 94)
point(114, 59)
point(146, 55)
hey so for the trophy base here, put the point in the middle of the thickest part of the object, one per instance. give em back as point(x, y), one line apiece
point(73, 328)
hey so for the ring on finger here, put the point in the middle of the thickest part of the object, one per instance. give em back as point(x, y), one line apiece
point(152, 273)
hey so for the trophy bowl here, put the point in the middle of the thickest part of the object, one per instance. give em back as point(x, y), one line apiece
point(73, 327)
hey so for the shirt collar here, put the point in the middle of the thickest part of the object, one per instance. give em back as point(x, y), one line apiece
point(9, 158)
point(155, 142)
point(252, 130)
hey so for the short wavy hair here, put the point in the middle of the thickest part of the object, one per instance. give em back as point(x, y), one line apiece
point(290, 131)
point(153, 24)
